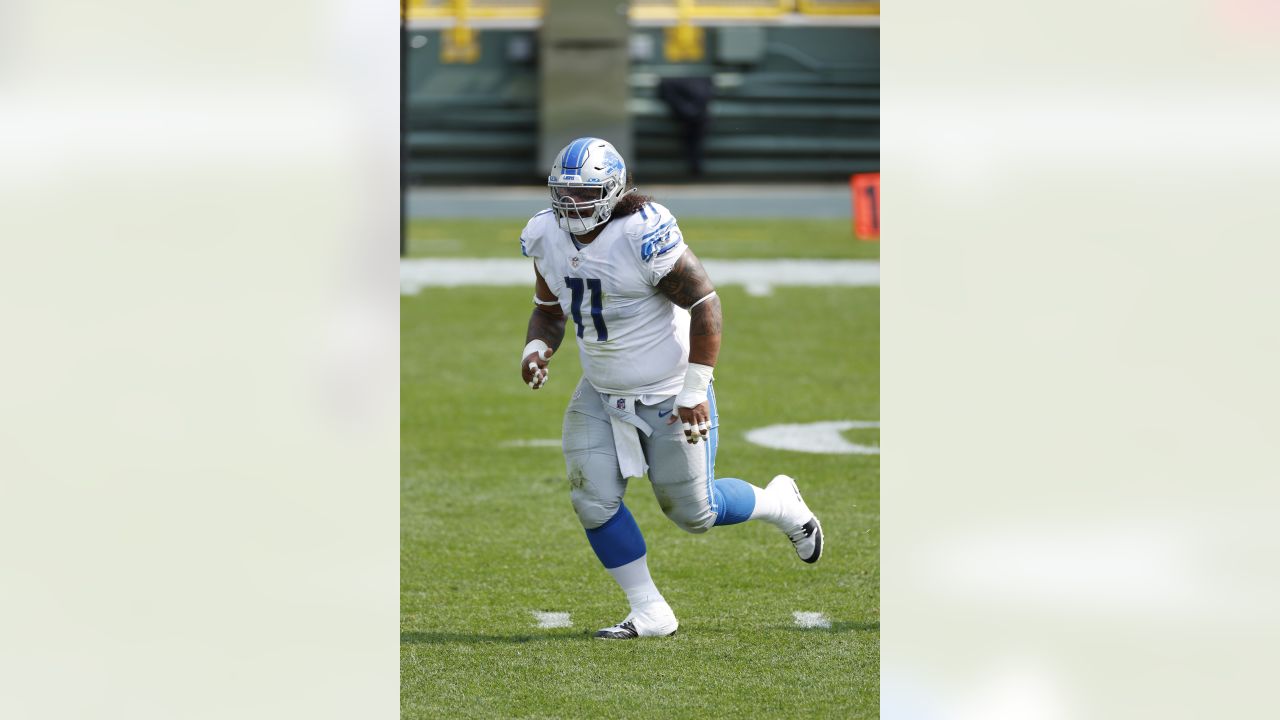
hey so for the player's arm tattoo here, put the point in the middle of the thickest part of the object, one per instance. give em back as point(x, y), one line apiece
point(547, 321)
point(686, 284)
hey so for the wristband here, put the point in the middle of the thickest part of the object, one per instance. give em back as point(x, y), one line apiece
point(696, 381)
point(535, 345)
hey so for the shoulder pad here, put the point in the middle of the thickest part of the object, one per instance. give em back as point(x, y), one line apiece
point(656, 231)
point(534, 230)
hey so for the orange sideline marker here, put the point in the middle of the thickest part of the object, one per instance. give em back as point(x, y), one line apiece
point(866, 205)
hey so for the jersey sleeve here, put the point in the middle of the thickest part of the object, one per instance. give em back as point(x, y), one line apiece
point(658, 241)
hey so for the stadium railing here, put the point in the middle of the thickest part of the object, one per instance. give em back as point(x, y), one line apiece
point(643, 10)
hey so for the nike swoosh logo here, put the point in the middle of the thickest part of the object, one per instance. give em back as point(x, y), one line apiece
point(663, 414)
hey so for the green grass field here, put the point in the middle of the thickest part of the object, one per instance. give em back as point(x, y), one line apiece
point(751, 238)
point(488, 535)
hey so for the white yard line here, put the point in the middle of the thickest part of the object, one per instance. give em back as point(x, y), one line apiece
point(823, 438)
point(552, 619)
point(811, 619)
point(758, 276)
point(819, 437)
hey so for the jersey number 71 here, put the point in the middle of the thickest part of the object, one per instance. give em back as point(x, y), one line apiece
point(597, 305)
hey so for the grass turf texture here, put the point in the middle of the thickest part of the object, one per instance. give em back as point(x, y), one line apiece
point(715, 238)
point(488, 534)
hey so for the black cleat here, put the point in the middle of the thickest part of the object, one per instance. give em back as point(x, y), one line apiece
point(802, 526)
point(625, 631)
point(808, 541)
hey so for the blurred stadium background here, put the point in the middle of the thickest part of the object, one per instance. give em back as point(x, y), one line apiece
point(775, 89)
point(749, 120)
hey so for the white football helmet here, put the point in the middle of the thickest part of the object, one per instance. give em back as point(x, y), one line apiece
point(587, 180)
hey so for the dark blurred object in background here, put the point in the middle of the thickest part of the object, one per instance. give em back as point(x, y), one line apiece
point(690, 99)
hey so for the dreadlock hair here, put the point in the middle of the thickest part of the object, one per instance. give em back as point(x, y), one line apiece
point(631, 202)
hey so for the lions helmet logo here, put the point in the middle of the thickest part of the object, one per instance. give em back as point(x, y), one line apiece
point(613, 163)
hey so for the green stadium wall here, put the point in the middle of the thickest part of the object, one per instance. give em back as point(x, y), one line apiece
point(790, 104)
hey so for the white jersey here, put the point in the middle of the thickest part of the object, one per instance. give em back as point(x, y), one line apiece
point(632, 340)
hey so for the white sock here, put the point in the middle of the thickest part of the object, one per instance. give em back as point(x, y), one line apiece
point(634, 580)
point(769, 507)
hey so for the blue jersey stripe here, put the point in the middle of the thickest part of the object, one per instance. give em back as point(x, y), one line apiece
point(669, 246)
point(661, 229)
point(652, 247)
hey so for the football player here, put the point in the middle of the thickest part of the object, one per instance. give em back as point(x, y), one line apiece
point(648, 323)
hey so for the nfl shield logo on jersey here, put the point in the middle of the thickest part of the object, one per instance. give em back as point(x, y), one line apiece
point(575, 261)
point(622, 403)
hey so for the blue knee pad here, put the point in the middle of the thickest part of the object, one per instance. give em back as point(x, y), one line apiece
point(618, 541)
point(733, 500)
